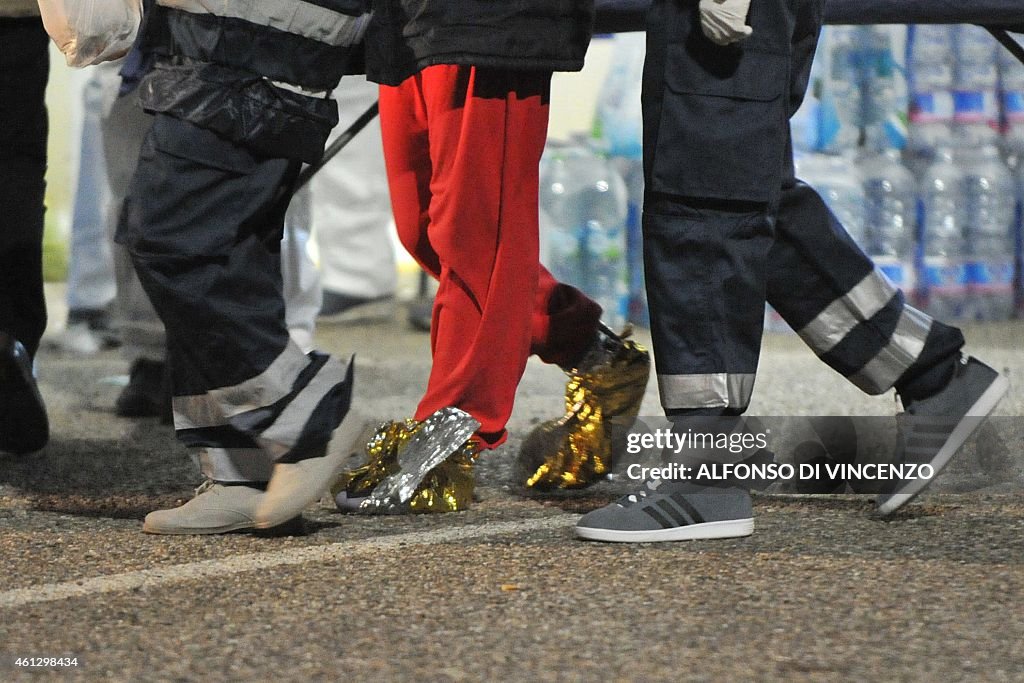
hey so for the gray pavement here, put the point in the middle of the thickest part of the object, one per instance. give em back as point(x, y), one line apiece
point(824, 589)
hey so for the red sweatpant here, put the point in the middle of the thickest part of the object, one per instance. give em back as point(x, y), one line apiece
point(462, 147)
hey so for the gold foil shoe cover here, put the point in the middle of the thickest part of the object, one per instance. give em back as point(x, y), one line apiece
point(575, 450)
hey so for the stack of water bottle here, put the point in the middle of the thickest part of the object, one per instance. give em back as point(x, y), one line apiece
point(913, 135)
point(583, 208)
point(592, 195)
point(934, 203)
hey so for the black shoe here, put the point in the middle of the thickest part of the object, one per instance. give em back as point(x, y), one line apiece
point(148, 393)
point(421, 314)
point(23, 424)
point(342, 309)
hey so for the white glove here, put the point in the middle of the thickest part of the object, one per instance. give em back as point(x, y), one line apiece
point(725, 21)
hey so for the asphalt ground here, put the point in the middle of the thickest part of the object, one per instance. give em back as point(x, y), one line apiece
point(824, 590)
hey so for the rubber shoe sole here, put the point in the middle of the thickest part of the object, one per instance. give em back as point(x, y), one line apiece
point(293, 527)
point(731, 528)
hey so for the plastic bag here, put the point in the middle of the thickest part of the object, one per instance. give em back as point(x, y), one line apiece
point(91, 31)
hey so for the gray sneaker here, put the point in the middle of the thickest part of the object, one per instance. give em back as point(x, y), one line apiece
point(671, 511)
point(934, 429)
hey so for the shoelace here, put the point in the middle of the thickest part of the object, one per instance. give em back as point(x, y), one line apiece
point(205, 486)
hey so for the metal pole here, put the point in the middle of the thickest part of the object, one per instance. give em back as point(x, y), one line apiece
point(339, 143)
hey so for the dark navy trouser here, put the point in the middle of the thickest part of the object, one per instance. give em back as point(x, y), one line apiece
point(728, 226)
point(203, 222)
point(24, 69)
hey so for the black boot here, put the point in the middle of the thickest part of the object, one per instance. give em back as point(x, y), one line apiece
point(23, 424)
point(148, 393)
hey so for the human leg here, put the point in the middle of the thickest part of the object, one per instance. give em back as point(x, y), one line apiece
point(484, 251)
point(351, 216)
point(714, 145)
point(495, 304)
point(90, 282)
point(25, 63)
point(856, 321)
point(203, 224)
point(24, 68)
point(859, 324)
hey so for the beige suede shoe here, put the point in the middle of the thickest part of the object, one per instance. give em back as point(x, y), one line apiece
point(295, 485)
point(216, 509)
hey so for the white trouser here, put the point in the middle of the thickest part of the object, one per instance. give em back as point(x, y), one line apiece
point(90, 264)
point(351, 206)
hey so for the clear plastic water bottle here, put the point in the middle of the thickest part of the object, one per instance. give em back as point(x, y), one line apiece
point(885, 85)
point(804, 124)
point(989, 200)
point(836, 179)
point(618, 130)
point(976, 78)
point(617, 119)
point(975, 45)
point(1011, 70)
point(583, 212)
point(1011, 76)
point(632, 171)
point(931, 59)
point(942, 276)
point(842, 101)
point(890, 215)
point(931, 127)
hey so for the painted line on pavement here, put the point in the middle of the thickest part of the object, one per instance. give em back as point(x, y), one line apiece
point(237, 564)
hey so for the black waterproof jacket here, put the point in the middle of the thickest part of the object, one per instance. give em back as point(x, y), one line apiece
point(256, 73)
point(408, 35)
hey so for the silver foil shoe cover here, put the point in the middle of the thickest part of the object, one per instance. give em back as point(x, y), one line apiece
point(438, 438)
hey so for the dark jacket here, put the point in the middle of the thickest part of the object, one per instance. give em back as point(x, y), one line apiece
point(258, 74)
point(408, 35)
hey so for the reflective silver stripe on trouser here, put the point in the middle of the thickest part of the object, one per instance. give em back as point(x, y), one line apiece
point(863, 302)
point(291, 16)
point(218, 406)
point(279, 438)
point(903, 349)
point(831, 326)
point(716, 390)
point(233, 464)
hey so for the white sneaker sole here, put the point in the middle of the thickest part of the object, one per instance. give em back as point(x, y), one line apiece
point(731, 528)
point(986, 403)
